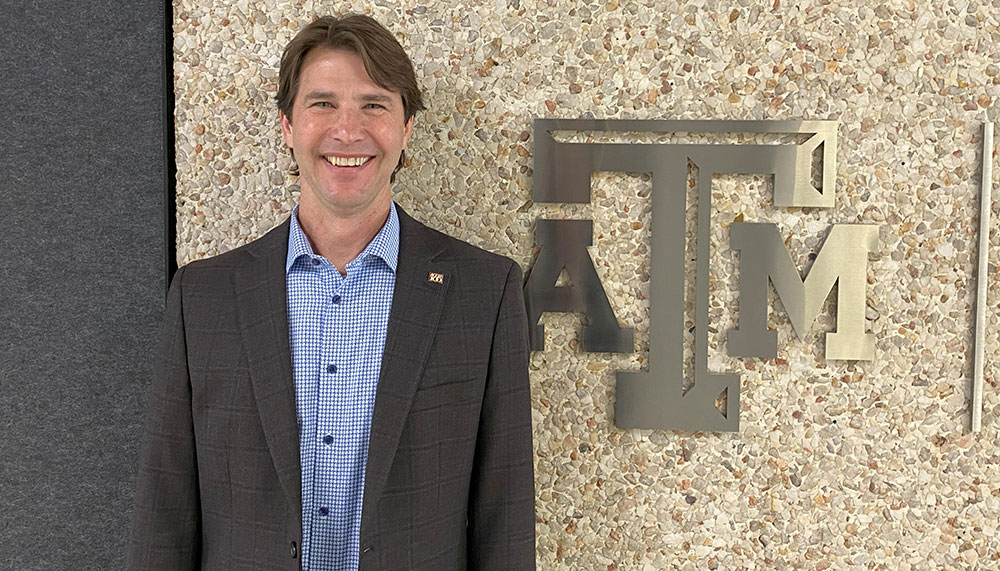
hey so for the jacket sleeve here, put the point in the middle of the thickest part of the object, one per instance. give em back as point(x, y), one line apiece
point(166, 521)
point(501, 530)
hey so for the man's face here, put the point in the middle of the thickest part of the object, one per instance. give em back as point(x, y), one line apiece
point(346, 132)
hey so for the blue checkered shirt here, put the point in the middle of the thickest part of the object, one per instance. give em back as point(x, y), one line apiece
point(337, 328)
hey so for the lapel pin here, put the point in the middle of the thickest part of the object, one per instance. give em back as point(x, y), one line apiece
point(435, 277)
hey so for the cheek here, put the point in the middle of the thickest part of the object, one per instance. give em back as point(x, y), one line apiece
point(304, 132)
point(392, 139)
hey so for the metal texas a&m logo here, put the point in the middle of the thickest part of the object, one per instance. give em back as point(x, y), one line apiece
point(657, 398)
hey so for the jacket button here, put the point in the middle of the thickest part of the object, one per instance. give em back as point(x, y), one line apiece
point(294, 550)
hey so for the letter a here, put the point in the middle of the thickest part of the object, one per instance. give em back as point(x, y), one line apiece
point(564, 246)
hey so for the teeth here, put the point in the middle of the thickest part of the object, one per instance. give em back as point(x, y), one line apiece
point(347, 161)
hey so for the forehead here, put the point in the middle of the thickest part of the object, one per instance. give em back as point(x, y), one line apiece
point(338, 71)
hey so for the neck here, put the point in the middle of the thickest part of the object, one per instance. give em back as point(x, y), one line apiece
point(340, 239)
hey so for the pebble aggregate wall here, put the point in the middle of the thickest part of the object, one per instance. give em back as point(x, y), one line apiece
point(838, 465)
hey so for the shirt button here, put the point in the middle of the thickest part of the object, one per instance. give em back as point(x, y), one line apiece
point(331, 369)
point(336, 299)
point(327, 439)
point(323, 512)
point(315, 261)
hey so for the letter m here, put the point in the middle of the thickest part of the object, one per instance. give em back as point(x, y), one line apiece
point(842, 260)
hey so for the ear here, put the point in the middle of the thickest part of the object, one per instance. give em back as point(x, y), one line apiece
point(286, 129)
point(407, 130)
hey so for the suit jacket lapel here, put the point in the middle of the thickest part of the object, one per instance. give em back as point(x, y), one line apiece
point(262, 307)
point(416, 306)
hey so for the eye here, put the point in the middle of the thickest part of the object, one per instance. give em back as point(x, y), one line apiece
point(374, 106)
point(322, 104)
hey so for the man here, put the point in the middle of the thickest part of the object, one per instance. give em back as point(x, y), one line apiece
point(349, 391)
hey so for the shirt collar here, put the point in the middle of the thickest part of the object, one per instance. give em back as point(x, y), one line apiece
point(385, 244)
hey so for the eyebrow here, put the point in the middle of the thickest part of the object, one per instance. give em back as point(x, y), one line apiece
point(318, 95)
point(376, 98)
point(367, 98)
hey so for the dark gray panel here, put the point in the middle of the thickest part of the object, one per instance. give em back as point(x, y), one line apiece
point(81, 271)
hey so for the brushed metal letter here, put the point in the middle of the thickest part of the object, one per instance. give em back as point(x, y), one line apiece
point(842, 260)
point(564, 246)
point(660, 398)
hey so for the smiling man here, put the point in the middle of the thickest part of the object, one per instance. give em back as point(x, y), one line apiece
point(349, 391)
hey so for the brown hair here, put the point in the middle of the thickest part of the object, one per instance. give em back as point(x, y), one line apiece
point(385, 61)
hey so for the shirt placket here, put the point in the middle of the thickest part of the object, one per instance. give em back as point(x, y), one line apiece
point(354, 425)
point(327, 441)
point(311, 350)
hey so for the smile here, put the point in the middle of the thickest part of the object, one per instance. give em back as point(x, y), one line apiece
point(347, 161)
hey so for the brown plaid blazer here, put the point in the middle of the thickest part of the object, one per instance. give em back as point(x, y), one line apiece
point(449, 481)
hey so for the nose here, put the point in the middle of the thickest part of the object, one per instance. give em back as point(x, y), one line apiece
point(347, 125)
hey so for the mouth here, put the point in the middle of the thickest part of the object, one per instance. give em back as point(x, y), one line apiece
point(347, 161)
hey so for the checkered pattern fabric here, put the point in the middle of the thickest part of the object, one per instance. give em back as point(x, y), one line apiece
point(337, 328)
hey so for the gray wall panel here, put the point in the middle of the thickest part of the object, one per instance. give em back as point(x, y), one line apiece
point(82, 277)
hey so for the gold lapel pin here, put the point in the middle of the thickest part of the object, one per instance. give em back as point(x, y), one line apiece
point(435, 277)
